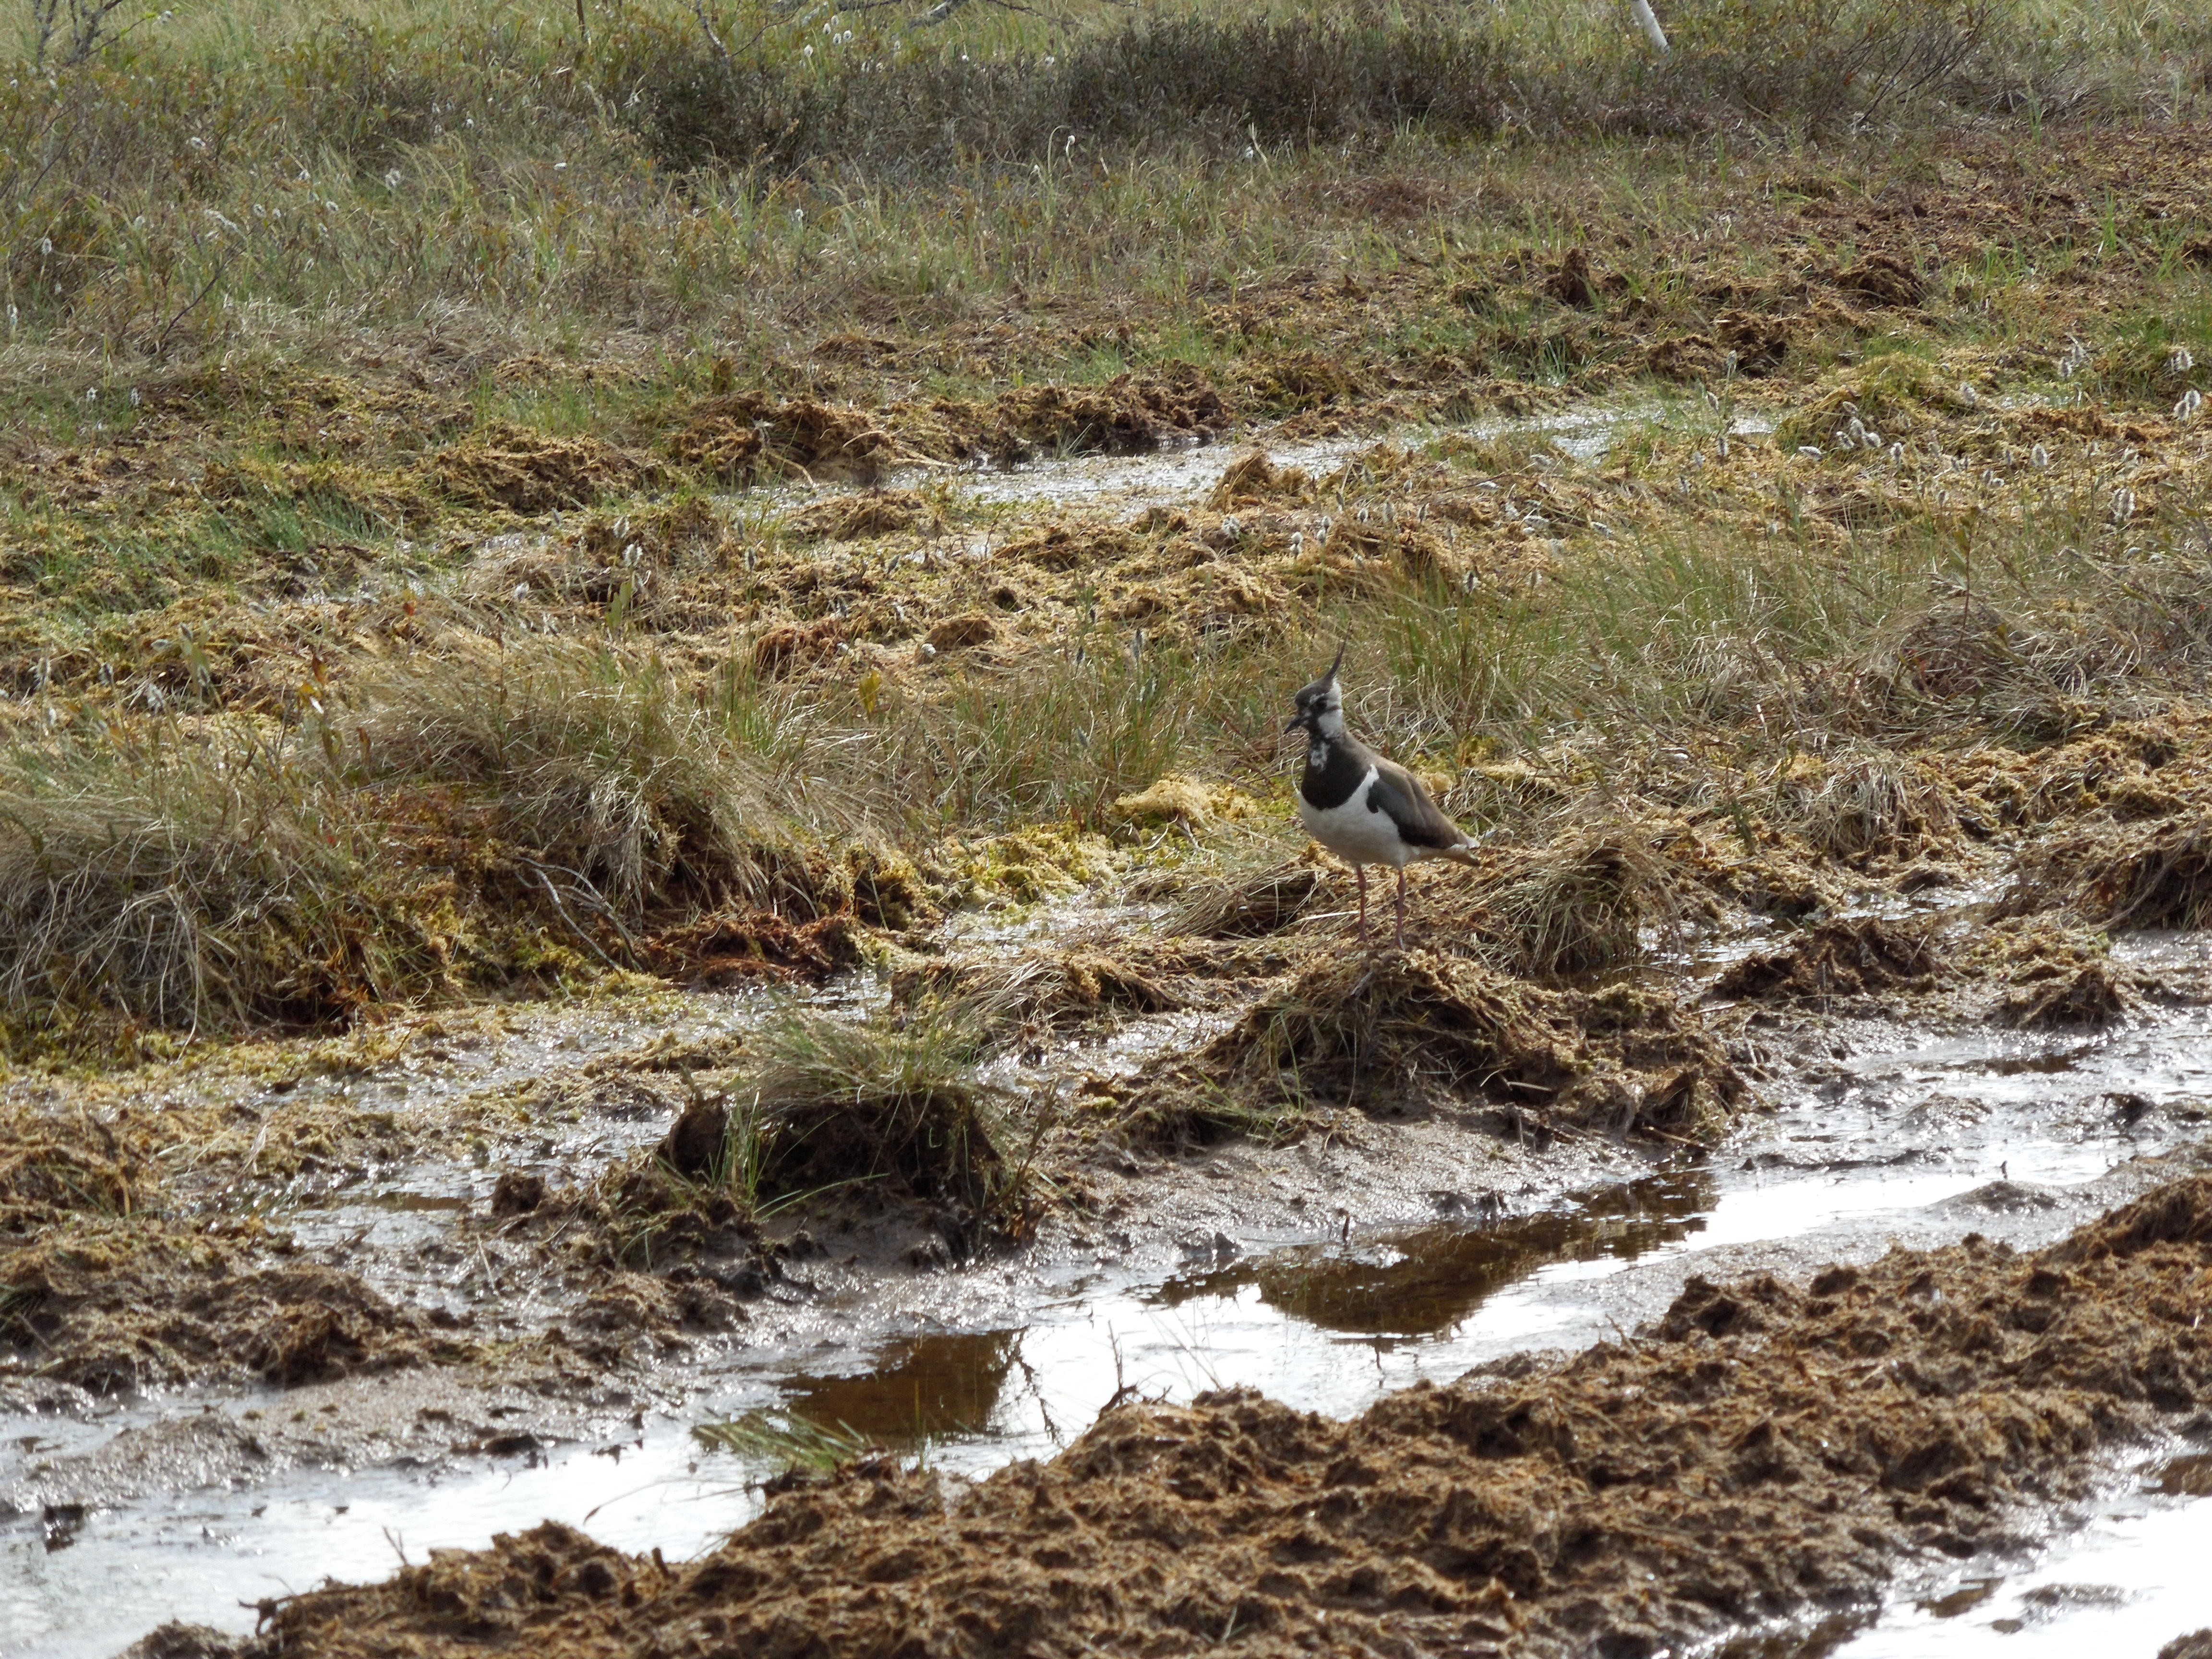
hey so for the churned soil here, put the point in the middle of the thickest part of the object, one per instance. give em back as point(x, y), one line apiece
point(1765, 1451)
point(1418, 1030)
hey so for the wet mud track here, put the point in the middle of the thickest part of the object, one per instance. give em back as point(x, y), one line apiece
point(1763, 1446)
point(1324, 1274)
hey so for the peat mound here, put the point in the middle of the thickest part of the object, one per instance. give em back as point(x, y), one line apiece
point(1767, 1449)
point(741, 436)
point(111, 1305)
point(1246, 903)
point(1058, 990)
point(1415, 1030)
point(1253, 480)
point(1858, 805)
point(1570, 911)
point(52, 1167)
point(1784, 888)
point(1838, 959)
point(791, 648)
point(648, 1251)
point(647, 1212)
point(862, 514)
point(736, 438)
point(740, 947)
point(1174, 799)
point(530, 474)
point(879, 1109)
point(2088, 997)
point(1128, 414)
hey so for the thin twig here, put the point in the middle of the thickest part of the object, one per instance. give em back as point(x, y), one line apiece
point(554, 893)
point(162, 339)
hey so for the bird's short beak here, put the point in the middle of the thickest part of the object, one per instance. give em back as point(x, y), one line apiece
point(1294, 722)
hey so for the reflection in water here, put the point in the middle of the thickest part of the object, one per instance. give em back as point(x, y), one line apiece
point(1970, 1594)
point(2188, 1476)
point(2049, 1065)
point(2126, 1583)
point(1421, 1283)
point(1827, 1637)
point(923, 1388)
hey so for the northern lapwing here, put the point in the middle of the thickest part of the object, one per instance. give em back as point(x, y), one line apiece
point(1364, 809)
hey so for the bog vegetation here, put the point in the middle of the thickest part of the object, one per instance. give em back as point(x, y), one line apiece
point(444, 523)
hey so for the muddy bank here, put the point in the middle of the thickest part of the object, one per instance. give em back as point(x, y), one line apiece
point(1228, 1267)
point(1764, 1449)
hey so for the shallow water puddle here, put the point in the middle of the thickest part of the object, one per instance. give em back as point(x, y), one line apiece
point(208, 1557)
point(1425, 1283)
point(1130, 483)
point(1325, 1327)
point(2128, 1582)
point(1179, 471)
point(1016, 1363)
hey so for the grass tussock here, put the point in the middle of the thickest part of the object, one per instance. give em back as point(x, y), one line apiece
point(181, 878)
point(893, 1103)
point(2125, 879)
point(1245, 901)
point(1576, 910)
point(600, 770)
point(1863, 641)
point(216, 874)
point(1872, 802)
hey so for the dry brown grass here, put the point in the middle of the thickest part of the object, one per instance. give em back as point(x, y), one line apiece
point(1576, 909)
point(602, 771)
point(182, 877)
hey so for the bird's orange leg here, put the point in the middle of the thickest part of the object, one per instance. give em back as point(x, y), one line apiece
point(1402, 907)
point(1360, 870)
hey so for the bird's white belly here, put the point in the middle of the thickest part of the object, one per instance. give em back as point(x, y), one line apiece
point(1354, 832)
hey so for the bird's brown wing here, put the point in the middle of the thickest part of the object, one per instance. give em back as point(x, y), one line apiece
point(1420, 821)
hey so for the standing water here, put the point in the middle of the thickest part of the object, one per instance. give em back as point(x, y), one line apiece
point(1916, 1142)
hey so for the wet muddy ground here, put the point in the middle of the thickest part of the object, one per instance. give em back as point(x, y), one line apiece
point(1325, 1269)
point(1765, 1207)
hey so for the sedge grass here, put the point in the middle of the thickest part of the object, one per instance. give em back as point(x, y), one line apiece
point(897, 1103)
point(787, 1442)
point(596, 761)
point(172, 878)
point(250, 178)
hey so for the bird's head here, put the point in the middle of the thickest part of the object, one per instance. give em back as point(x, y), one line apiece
point(1321, 705)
